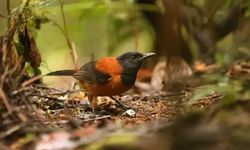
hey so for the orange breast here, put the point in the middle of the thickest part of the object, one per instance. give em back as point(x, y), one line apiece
point(113, 87)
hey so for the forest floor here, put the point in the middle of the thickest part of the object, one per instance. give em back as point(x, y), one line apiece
point(48, 118)
point(57, 119)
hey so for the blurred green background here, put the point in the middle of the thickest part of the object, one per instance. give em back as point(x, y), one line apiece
point(99, 27)
point(192, 29)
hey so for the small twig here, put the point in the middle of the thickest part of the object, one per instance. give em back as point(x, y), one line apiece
point(209, 99)
point(74, 53)
point(58, 26)
point(97, 118)
point(67, 121)
point(31, 80)
point(66, 92)
point(22, 89)
point(47, 97)
point(5, 100)
point(69, 43)
point(52, 123)
point(8, 12)
point(11, 130)
point(46, 87)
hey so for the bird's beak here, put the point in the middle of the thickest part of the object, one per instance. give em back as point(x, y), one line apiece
point(147, 55)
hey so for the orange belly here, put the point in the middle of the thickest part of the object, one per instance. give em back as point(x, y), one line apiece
point(113, 87)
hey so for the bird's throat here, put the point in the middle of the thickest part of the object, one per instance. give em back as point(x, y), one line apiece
point(128, 77)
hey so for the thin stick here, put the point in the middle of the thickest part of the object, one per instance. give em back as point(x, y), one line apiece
point(69, 43)
point(11, 130)
point(31, 80)
point(5, 100)
point(74, 54)
point(8, 12)
point(97, 118)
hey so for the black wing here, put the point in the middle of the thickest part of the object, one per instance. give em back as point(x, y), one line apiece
point(89, 74)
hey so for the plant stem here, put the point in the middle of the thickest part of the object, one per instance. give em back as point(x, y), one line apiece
point(69, 43)
point(9, 12)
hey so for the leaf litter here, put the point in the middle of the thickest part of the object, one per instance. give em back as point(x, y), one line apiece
point(69, 122)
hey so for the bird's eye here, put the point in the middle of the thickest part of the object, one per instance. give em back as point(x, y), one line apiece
point(133, 57)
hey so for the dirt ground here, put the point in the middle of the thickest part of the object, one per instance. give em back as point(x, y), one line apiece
point(52, 112)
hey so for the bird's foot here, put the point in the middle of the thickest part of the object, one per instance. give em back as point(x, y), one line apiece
point(122, 105)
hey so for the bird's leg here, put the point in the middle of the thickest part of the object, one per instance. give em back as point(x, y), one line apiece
point(93, 102)
point(120, 103)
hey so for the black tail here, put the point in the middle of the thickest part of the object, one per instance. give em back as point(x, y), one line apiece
point(62, 73)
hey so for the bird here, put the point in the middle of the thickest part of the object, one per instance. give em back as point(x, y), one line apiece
point(107, 76)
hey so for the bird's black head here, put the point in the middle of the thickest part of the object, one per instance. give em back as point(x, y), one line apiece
point(131, 62)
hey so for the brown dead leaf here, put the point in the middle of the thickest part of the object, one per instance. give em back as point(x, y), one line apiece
point(30, 50)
